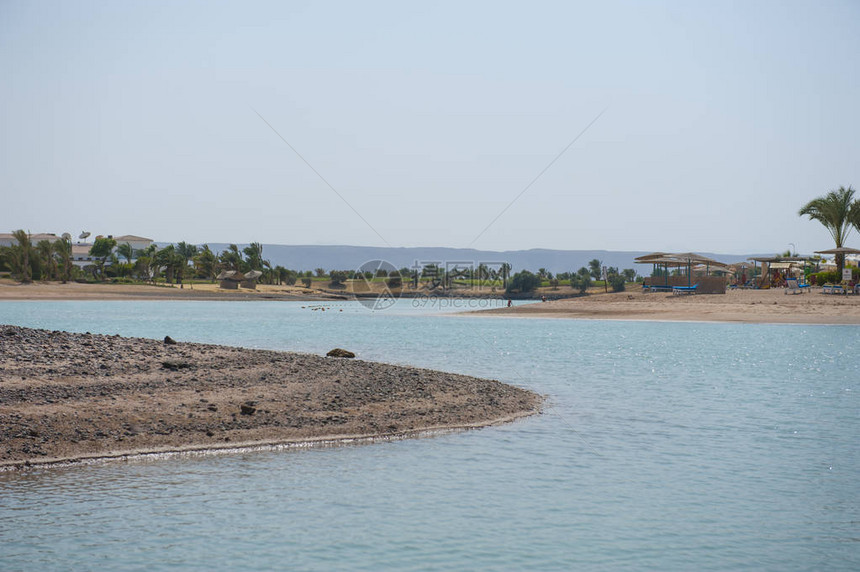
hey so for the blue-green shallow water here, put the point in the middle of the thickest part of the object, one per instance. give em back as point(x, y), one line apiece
point(664, 446)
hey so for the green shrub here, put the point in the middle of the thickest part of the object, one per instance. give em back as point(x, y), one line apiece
point(616, 282)
point(523, 282)
point(580, 282)
point(826, 277)
point(394, 279)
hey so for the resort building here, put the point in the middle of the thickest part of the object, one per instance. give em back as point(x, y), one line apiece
point(81, 249)
point(81, 255)
point(136, 242)
point(8, 239)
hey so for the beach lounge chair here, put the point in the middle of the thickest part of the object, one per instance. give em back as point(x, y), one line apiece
point(791, 286)
point(682, 290)
point(832, 289)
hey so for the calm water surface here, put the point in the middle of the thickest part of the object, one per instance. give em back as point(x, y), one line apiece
point(663, 446)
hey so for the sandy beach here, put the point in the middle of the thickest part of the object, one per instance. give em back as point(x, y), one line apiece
point(10, 290)
point(67, 397)
point(746, 306)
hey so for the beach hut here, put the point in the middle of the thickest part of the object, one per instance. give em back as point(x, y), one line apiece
point(250, 279)
point(229, 279)
point(232, 279)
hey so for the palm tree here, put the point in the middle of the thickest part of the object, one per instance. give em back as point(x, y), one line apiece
point(254, 255)
point(101, 250)
point(126, 251)
point(544, 274)
point(838, 212)
point(47, 262)
point(22, 255)
point(145, 266)
point(205, 261)
point(63, 249)
point(231, 258)
point(595, 268)
point(505, 271)
point(186, 252)
point(171, 261)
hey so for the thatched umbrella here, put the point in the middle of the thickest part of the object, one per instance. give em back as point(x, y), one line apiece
point(655, 259)
point(840, 250)
point(843, 250)
point(691, 258)
point(680, 260)
point(649, 257)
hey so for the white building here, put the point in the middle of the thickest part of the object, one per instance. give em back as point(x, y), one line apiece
point(8, 239)
point(136, 242)
point(80, 250)
point(81, 255)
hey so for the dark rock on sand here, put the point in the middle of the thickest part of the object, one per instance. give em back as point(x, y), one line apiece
point(339, 352)
point(169, 341)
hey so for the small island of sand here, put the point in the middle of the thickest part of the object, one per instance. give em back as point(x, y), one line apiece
point(770, 306)
point(68, 397)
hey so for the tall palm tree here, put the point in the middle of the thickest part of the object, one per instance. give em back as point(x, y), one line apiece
point(231, 259)
point(126, 251)
point(505, 271)
point(186, 252)
point(63, 249)
point(595, 268)
point(102, 250)
point(23, 251)
point(204, 262)
point(254, 255)
point(47, 262)
point(169, 260)
point(837, 211)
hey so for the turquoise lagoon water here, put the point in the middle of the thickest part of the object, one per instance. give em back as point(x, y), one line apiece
point(663, 446)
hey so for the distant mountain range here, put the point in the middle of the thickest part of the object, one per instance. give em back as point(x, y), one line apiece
point(306, 257)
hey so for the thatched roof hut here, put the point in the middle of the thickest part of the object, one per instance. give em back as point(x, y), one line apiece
point(250, 279)
point(229, 279)
point(232, 279)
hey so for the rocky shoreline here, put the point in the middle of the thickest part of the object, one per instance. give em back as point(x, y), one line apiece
point(68, 397)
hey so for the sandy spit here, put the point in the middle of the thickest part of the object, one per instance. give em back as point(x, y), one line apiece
point(742, 306)
point(74, 291)
point(77, 397)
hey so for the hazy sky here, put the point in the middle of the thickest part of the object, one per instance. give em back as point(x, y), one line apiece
point(721, 120)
